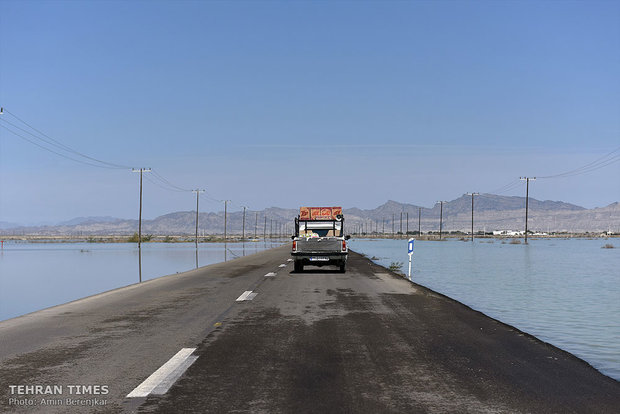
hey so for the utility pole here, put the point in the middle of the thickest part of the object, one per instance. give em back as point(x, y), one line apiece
point(197, 191)
point(407, 222)
point(383, 231)
point(140, 170)
point(243, 231)
point(527, 199)
point(472, 213)
point(393, 220)
point(420, 221)
point(271, 229)
point(225, 217)
point(440, 217)
point(401, 223)
point(265, 230)
point(255, 224)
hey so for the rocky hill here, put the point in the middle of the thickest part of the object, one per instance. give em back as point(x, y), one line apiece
point(492, 212)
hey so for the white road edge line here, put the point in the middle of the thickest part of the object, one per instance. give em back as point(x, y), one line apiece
point(161, 380)
point(244, 296)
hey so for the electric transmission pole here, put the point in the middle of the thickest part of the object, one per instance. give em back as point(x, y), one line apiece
point(243, 231)
point(225, 217)
point(440, 217)
point(393, 220)
point(420, 221)
point(140, 170)
point(472, 213)
point(401, 223)
point(255, 224)
point(265, 230)
point(197, 191)
point(407, 222)
point(527, 199)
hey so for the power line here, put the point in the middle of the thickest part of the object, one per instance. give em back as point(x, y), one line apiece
point(505, 188)
point(168, 183)
point(42, 140)
point(597, 164)
point(55, 152)
point(55, 143)
point(158, 184)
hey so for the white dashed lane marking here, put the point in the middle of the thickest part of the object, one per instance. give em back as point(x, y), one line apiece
point(282, 265)
point(247, 295)
point(270, 274)
point(161, 380)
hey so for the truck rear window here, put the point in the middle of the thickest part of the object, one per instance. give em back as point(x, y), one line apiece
point(320, 229)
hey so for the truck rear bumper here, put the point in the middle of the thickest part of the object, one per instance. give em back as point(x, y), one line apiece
point(320, 258)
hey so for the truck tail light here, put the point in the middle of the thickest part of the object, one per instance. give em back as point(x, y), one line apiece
point(294, 246)
point(344, 246)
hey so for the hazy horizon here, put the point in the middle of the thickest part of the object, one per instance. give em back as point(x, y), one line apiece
point(221, 211)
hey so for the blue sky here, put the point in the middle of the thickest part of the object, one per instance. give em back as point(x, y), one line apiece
point(306, 103)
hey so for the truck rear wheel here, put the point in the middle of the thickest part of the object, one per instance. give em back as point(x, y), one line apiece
point(299, 267)
point(343, 268)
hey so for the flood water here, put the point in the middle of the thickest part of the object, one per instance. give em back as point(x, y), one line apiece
point(563, 291)
point(35, 276)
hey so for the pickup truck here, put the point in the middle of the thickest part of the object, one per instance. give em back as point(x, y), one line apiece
point(319, 238)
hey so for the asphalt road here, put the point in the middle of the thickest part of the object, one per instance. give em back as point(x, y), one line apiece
point(365, 341)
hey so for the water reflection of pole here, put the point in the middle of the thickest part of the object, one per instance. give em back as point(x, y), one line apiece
point(140, 264)
point(196, 257)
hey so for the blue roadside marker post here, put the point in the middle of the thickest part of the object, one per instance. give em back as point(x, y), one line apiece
point(410, 249)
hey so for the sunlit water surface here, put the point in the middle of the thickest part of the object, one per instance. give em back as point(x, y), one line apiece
point(35, 276)
point(563, 291)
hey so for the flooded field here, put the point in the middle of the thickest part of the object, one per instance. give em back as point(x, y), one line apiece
point(35, 276)
point(563, 291)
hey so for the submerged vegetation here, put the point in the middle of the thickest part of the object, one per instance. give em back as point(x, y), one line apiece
point(396, 267)
point(134, 238)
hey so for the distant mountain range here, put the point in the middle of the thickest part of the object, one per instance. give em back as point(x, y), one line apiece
point(491, 212)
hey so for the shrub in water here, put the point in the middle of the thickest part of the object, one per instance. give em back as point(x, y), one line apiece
point(396, 266)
